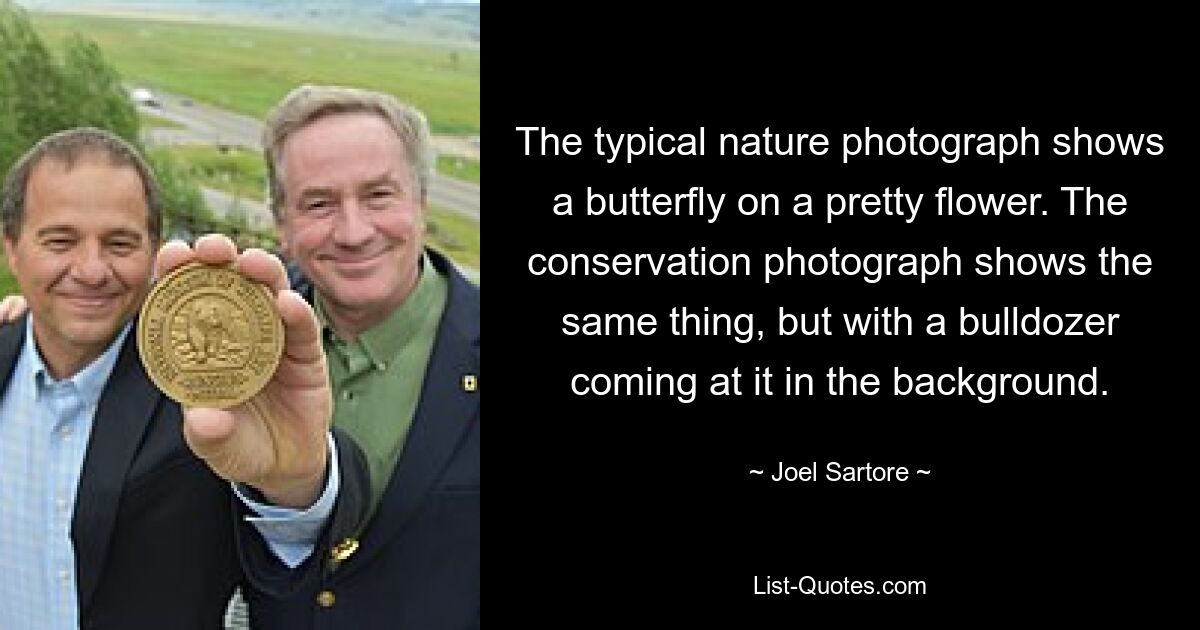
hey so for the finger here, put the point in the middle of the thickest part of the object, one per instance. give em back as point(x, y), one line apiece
point(215, 249)
point(12, 307)
point(301, 330)
point(262, 267)
point(171, 256)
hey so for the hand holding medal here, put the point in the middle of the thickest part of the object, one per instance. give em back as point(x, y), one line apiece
point(222, 334)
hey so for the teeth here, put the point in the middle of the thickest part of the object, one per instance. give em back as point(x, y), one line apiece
point(92, 301)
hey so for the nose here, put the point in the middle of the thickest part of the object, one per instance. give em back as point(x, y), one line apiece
point(352, 228)
point(90, 266)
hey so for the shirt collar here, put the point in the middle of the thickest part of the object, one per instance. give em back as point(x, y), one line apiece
point(385, 340)
point(90, 381)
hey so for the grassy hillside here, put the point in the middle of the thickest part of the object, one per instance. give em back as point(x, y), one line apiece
point(249, 69)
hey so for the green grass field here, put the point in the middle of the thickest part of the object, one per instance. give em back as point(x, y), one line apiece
point(459, 168)
point(236, 171)
point(249, 69)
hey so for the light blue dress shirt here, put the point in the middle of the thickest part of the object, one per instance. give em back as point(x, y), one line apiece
point(44, 429)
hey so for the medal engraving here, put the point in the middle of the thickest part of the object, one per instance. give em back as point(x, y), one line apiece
point(208, 337)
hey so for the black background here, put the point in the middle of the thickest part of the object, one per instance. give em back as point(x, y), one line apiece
point(640, 512)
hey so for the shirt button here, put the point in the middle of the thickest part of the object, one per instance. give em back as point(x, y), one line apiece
point(64, 430)
point(347, 395)
point(381, 366)
point(325, 599)
point(62, 504)
point(64, 575)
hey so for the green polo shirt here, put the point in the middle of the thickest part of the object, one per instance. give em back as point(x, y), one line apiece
point(377, 378)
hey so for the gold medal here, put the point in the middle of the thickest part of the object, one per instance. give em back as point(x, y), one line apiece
point(209, 337)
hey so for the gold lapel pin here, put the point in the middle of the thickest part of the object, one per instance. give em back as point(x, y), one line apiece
point(344, 550)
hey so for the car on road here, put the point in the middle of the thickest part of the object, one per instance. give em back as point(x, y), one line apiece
point(142, 96)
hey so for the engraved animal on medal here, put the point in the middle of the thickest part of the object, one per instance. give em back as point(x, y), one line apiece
point(210, 332)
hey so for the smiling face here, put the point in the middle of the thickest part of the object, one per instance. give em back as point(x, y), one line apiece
point(82, 257)
point(353, 216)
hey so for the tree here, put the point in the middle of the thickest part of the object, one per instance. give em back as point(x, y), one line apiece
point(185, 209)
point(10, 140)
point(92, 91)
point(39, 96)
point(33, 98)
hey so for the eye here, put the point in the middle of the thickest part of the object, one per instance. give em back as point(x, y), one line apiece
point(316, 207)
point(123, 247)
point(58, 243)
point(381, 197)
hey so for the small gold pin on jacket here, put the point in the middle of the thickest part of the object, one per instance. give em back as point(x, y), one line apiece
point(343, 550)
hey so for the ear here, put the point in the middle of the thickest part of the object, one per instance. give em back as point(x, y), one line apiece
point(10, 248)
point(285, 245)
point(281, 228)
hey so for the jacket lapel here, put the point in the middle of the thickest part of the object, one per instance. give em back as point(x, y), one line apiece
point(444, 414)
point(124, 411)
point(12, 337)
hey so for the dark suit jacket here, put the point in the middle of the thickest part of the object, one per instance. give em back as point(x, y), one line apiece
point(155, 532)
point(152, 532)
point(416, 566)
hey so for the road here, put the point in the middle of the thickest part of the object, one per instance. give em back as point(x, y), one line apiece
point(205, 124)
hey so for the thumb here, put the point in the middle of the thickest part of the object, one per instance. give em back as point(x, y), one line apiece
point(207, 431)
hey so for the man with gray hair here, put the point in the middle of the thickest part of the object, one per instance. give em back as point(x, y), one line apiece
point(349, 172)
point(109, 519)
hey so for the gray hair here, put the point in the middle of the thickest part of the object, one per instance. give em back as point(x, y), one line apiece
point(68, 147)
point(308, 103)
